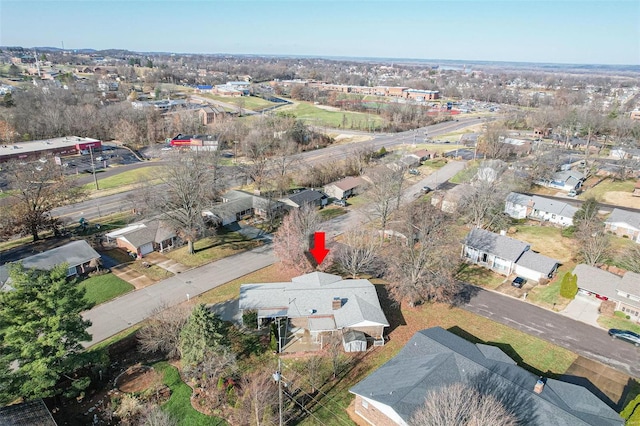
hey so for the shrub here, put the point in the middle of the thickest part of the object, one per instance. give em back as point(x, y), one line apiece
point(569, 286)
point(631, 412)
point(250, 318)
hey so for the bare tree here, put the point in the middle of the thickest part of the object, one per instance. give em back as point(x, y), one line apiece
point(291, 241)
point(419, 266)
point(37, 190)
point(359, 252)
point(257, 400)
point(162, 331)
point(155, 416)
point(630, 258)
point(491, 141)
point(462, 405)
point(190, 185)
point(385, 192)
point(593, 241)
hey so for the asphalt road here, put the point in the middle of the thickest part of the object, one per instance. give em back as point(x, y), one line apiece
point(94, 208)
point(583, 339)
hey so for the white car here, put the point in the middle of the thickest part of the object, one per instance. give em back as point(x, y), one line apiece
point(100, 158)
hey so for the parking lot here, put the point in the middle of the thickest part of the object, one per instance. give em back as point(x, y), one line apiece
point(109, 156)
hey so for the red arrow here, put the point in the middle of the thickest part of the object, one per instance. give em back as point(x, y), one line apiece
point(319, 252)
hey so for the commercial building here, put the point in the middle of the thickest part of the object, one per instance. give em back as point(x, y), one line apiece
point(34, 150)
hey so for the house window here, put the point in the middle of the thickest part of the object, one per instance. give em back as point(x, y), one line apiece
point(553, 216)
point(484, 257)
point(365, 404)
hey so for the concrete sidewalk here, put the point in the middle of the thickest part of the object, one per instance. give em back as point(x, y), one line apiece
point(119, 314)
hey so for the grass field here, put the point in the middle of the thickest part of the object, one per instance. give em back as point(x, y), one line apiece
point(600, 191)
point(213, 248)
point(547, 240)
point(618, 322)
point(252, 103)
point(329, 213)
point(179, 404)
point(466, 174)
point(104, 287)
point(126, 179)
point(315, 116)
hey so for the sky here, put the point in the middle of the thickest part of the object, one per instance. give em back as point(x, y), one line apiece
point(574, 31)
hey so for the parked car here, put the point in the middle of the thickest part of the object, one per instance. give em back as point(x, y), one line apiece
point(426, 189)
point(100, 158)
point(414, 172)
point(572, 193)
point(518, 282)
point(626, 335)
point(341, 203)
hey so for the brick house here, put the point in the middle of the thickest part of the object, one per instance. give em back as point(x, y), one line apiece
point(144, 237)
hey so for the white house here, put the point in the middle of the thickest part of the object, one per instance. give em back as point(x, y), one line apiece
point(624, 291)
point(564, 180)
point(520, 206)
point(624, 223)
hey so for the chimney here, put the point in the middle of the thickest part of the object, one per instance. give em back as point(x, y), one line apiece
point(336, 304)
point(539, 385)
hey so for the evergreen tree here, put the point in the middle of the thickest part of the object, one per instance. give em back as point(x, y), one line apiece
point(40, 333)
point(202, 333)
point(569, 286)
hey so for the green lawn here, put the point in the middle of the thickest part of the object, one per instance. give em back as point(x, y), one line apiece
point(213, 248)
point(466, 174)
point(124, 179)
point(104, 287)
point(179, 404)
point(479, 276)
point(315, 116)
point(618, 322)
point(252, 103)
point(329, 213)
point(608, 185)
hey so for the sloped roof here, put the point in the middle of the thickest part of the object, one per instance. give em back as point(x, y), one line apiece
point(568, 176)
point(75, 253)
point(141, 233)
point(624, 216)
point(306, 196)
point(311, 295)
point(630, 283)
point(596, 280)
point(518, 199)
point(553, 206)
point(499, 245)
point(30, 413)
point(537, 262)
point(348, 183)
point(434, 358)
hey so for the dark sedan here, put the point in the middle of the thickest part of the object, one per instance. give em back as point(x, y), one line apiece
point(626, 335)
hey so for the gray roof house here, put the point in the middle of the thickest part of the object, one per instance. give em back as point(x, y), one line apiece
point(30, 413)
point(237, 205)
point(344, 188)
point(144, 237)
point(624, 223)
point(318, 303)
point(624, 291)
point(565, 180)
point(307, 196)
point(520, 206)
point(435, 358)
point(77, 254)
point(506, 255)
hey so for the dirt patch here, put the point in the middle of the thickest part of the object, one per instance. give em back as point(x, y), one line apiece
point(623, 199)
point(137, 378)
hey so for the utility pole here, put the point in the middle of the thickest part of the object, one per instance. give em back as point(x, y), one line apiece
point(277, 376)
point(93, 168)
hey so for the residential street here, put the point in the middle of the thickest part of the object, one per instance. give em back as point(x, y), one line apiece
point(583, 339)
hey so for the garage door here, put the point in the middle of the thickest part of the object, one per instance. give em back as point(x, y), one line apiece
point(146, 249)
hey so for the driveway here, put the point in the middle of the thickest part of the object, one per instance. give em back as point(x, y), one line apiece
point(584, 309)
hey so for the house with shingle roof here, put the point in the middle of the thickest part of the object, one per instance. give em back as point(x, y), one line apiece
point(318, 303)
point(78, 255)
point(506, 255)
point(564, 180)
point(435, 358)
point(344, 188)
point(239, 205)
point(144, 237)
point(29, 413)
point(305, 197)
point(624, 223)
point(624, 291)
point(520, 206)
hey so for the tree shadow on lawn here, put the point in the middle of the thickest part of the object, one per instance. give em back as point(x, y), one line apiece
point(231, 240)
point(390, 307)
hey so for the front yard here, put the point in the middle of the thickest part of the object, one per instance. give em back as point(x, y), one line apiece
point(208, 249)
point(102, 288)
